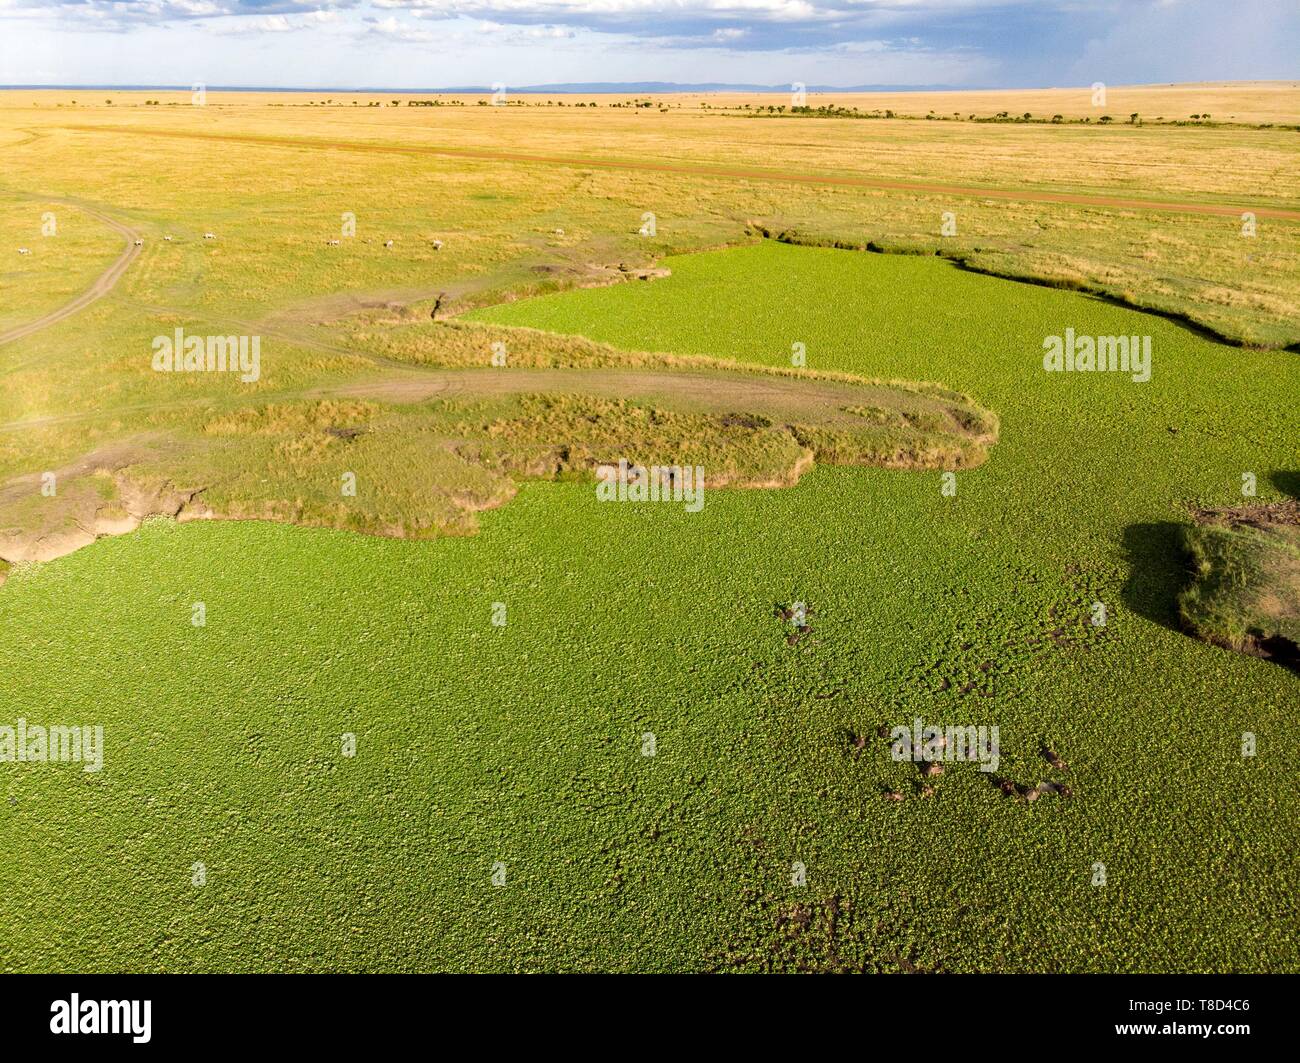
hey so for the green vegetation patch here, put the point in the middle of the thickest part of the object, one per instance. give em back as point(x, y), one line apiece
point(199, 444)
point(419, 453)
point(521, 745)
point(1246, 592)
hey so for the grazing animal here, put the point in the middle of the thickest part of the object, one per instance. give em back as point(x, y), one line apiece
point(167, 238)
point(437, 245)
point(1054, 760)
point(24, 251)
point(388, 243)
point(1024, 791)
point(559, 232)
point(930, 767)
point(209, 236)
point(139, 243)
point(893, 795)
point(334, 243)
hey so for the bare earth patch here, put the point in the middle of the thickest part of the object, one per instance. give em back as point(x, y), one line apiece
point(415, 454)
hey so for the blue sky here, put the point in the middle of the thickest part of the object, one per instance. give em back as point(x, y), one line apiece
point(428, 43)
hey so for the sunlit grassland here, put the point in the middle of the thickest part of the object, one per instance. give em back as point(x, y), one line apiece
point(274, 208)
point(1222, 163)
point(60, 265)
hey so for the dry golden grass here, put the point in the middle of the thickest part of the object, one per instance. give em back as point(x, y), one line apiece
point(1230, 164)
point(1253, 102)
point(58, 266)
point(500, 217)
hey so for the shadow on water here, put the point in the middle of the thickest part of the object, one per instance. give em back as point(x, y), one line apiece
point(1288, 482)
point(1158, 572)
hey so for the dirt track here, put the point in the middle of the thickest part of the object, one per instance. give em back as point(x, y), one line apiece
point(102, 286)
point(1025, 195)
point(778, 396)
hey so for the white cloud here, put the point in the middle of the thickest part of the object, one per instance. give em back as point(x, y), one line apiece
point(270, 24)
point(829, 42)
point(592, 11)
point(396, 30)
point(503, 31)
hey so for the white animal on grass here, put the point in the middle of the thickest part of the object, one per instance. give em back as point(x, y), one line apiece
point(437, 245)
point(139, 243)
point(388, 243)
point(166, 237)
point(23, 251)
point(209, 236)
point(334, 243)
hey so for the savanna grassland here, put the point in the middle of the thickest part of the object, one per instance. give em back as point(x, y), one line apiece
point(53, 271)
point(520, 747)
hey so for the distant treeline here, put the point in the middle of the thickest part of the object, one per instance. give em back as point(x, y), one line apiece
point(834, 111)
point(747, 110)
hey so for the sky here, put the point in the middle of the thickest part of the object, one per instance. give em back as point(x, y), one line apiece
point(431, 43)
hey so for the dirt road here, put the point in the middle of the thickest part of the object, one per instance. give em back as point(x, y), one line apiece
point(102, 286)
point(776, 396)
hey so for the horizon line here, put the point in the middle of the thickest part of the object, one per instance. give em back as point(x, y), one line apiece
point(610, 87)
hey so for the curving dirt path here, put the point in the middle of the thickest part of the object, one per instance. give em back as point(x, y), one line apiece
point(1026, 195)
point(779, 396)
point(102, 286)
